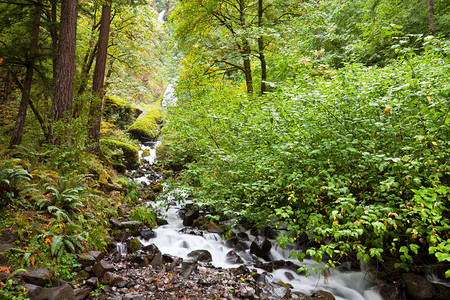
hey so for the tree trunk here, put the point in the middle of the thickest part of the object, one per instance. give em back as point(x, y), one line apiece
point(247, 67)
point(96, 108)
point(262, 57)
point(65, 65)
point(431, 21)
point(54, 32)
point(246, 50)
point(16, 138)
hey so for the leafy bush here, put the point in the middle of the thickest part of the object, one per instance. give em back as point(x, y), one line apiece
point(145, 215)
point(357, 159)
point(12, 176)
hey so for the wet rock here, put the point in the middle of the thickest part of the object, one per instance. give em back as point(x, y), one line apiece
point(147, 233)
point(241, 270)
point(187, 267)
point(417, 287)
point(151, 251)
point(235, 243)
point(161, 222)
point(321, 295)
point(140, 261)
point(33, 290)
point(121, 235)
point(200, 255)
point(102, 267)
point(63, 292)
point(115, 223)
point(234, 258)
point(157, 260)
point(242, 236)
point(261, 247)
point(190, 216)
point(86, 260)
point(442, 291)
point(39, 277)
point(192, 231)
point(391, 292)
point(133, 226)
point(8, 236)
point(260, 278)
point(134, 245)
point(289, 275)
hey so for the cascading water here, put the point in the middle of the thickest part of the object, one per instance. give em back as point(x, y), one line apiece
point(344, 285)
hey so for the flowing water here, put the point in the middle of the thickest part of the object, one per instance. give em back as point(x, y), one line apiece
point(344, 285)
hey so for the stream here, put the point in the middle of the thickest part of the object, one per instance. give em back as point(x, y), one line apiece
point(170, 239)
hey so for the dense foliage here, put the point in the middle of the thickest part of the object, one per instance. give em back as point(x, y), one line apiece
point(356, 158)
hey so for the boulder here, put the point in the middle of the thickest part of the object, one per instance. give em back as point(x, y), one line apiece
point(102, 267)
point(133, 226)
point(63, 292)
point(147, 125)
point(417, 287)
point(321, 295)
point(3, 249)
point(39, 277)
point(147, 233)
point(190, 216)
point(200, 255)
point(111, 278)
point(134, 245)
point(120, 153)
point(391, 292)
point(8, 236)
point(82, 293)
point(116, 224)
point(33, 290)
point(86, 260)
point(234, 258)
point(261, 247)
point(187, 267)
point(442, 291)
point(126, 113)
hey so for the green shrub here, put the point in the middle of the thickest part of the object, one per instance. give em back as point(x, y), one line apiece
point(358, 159)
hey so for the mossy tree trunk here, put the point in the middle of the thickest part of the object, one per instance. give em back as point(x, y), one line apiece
point(65, 66)
point(99, 77)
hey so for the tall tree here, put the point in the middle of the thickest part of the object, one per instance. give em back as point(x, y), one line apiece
point(99, 76)
point(26, 90)
point(65, 65)
point(431, 21)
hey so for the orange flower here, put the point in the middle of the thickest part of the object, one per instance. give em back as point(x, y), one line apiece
point(5, 270)
point(48, 240)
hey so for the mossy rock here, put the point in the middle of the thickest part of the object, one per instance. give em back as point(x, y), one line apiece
point(147, 126)
point(120, 109)
point(120, 153)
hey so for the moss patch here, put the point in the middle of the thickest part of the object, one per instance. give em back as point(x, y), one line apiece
point(118, 110)
point(120, 153)
point(147, 126)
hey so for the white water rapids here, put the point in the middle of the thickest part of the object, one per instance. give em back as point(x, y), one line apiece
point(344, 285)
